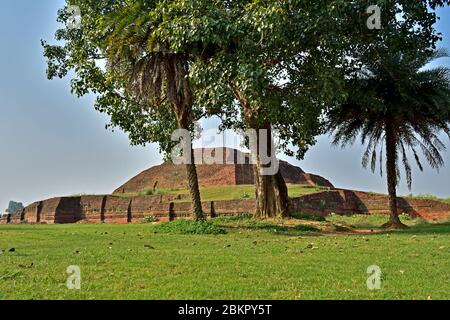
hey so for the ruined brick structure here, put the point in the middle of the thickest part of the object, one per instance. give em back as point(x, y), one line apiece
point(120, 208)
point(234, 168)
point(114, 209)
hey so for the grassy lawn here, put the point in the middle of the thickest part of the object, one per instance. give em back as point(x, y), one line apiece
point(248, 192)
point(254, 260)
point(242, 192)
point(219, 193)
point(429, 197)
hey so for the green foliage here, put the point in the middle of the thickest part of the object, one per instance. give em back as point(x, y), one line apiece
point(264, 52)
point(188, 227)
point(395, 98)
point(405, 217)
point(155, 66)
point(149, 219)
point(245, 195)
point(14, 207)
point(133, 58)
point(231, 219)
point(151, 192)
point(309, 217)
point(306, 228)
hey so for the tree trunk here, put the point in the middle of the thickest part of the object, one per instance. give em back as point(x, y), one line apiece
point(272, 196)
point(194, 190)
point(179, 94)
point(391, 168)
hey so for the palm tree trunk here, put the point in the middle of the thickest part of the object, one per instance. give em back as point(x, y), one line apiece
point(179, 94)
point(194, 190)
point(391, 168)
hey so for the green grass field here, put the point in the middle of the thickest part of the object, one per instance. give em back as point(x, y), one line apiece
point(254, 260)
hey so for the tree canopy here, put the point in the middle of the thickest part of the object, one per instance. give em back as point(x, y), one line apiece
point(158, 65)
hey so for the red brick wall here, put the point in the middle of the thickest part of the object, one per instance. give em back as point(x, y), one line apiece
point(91, 209)
point(116, 209)
point(346, 202)
point(31, 213)
point(4, 219)
point(112, 209)
point(15, 218)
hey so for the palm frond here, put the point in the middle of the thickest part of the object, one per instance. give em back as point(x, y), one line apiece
point(399, 88)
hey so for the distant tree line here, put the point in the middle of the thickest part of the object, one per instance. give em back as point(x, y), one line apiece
point(14, 207)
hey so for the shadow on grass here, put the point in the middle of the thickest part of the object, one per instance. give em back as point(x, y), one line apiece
point(428, 228)
point(246, 222)
point(420, 228)
point(25, 227)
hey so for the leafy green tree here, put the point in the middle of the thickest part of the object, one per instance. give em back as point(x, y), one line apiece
point(275, 75)
point(135, 56)
point(390, 103)
point(156, 64)
point(396, 107)
point(14, 207)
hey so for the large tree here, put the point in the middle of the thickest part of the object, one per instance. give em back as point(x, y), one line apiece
point(136, 57)
point(393, 104)
point(397, 107)
point(275, 75)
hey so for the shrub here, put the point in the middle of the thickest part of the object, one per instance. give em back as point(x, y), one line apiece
point(405, 217)
point(229, 219)
point(151, 192)
point(308, 217)
point(189, 227)
point(149, 219)
point(245, 195)
point(306, 228)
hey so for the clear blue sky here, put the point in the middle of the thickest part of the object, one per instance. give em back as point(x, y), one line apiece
point(53, 144)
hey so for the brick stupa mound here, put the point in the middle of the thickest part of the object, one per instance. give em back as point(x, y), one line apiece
point(130, 208)
point(235, 170)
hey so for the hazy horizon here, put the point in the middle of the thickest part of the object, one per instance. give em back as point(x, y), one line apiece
point(54, 144)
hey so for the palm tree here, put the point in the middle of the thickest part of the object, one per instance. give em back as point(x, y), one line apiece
point(398, 107)
point(155, 75)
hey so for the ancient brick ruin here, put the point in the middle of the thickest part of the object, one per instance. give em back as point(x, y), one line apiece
point(114, 209)
point(235, 169)
point(120, 208)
